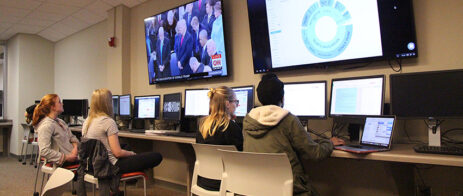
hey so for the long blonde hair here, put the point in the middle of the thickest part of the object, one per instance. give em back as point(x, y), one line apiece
point(100, 105)
point(43, 108)
point(218, 116)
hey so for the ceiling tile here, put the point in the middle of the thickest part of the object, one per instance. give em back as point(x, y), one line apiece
point(4, 26)
point(77, 3)
point(113, 3)
point(28, 20)
point(88, 16)
point(10, 11)
point(46, 16)
point(130, 3)
point(32, 29)
point(6, 35)
point(74, 24)
point(100, 8)
point(51, 35)
point(10, 19)
point(57, 9)
point(62, 29)
point(23, 4)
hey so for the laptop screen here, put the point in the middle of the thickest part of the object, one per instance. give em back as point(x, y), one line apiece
point(378, 131)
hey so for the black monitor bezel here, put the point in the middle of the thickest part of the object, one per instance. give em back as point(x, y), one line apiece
point(135, 115)
point(185, 105)
point(193, 78)
point(326, 96)
point(253, 95)
point(391, 91)
point(179, 112)
point(130, 105)
point(356, 78)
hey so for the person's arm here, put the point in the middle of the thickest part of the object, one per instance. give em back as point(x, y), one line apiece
point(305, 146)
point(116, 147)
point(45, 134)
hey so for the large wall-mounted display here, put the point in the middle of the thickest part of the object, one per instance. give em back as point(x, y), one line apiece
point(288, 34)
point(186, 43)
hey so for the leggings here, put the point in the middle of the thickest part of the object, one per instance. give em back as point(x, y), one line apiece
point(138, 162)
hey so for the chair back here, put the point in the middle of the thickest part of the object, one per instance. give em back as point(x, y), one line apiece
point(208, 164)
point(59, 178)
point(248, 173)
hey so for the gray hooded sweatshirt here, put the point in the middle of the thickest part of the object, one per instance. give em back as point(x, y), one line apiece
point(272, 129)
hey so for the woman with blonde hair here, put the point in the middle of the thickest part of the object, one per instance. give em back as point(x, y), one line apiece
point(56, 142)
point(218, 128)
point(99, 125)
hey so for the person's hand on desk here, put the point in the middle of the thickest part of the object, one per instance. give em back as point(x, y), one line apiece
point(337, 141)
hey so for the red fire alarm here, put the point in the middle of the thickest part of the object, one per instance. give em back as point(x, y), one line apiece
point(112, 42)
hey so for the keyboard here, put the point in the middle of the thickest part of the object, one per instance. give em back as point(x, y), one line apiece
point(182, 134)
point(438, 149)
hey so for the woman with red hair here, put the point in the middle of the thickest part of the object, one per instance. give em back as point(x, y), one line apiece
point(56, 142)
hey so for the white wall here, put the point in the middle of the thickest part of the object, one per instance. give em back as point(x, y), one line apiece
point(30, 76)
point(11, 96)
point(80, 63)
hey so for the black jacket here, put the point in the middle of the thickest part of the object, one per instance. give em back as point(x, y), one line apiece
point(93, 159)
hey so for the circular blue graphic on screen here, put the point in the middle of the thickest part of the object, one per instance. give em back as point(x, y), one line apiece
point(327, 29)
point(411, 46)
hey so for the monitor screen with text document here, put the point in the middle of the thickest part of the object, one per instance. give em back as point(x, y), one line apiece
point(125, 105)
point(357, 96)
point(306, 99)
point(245, 96)
point(196, 102)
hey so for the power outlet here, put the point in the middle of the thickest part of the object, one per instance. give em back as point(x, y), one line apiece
point(423, 191)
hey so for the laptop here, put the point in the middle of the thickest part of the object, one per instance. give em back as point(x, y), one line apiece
point(376, 136)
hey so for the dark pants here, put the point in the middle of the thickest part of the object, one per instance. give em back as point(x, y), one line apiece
point(138, 162)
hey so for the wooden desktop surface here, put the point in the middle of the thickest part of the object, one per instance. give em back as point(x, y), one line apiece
point(399, 152)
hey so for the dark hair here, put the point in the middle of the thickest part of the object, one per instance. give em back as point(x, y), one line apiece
point(30, 113)
point(270, 90)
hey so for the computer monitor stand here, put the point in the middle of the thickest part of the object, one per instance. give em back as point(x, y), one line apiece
point(434, 132)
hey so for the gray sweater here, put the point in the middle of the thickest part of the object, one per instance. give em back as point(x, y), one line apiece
point(55, 139)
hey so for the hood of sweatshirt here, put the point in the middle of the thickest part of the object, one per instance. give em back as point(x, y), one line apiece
point(260, 120)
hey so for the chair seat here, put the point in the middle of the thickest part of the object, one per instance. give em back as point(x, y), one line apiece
point(72, 167)
point(132, 174)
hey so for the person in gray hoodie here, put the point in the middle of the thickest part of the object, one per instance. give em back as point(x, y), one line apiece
point(272, 129)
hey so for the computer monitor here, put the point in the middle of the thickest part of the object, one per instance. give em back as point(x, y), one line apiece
point(196, 102)
point(358, 96)
point(306, 99)
point(146, 107)
point(172, 106)
point(436, 94)
point(245, 96)
point(125, 104)
point(75, 107)
point(116, 105)
point(428, 95)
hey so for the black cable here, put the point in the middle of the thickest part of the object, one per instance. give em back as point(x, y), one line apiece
point(408, 136)
point(419, 176)
point(399, 62)
point(451, 130)
point(321, 135)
